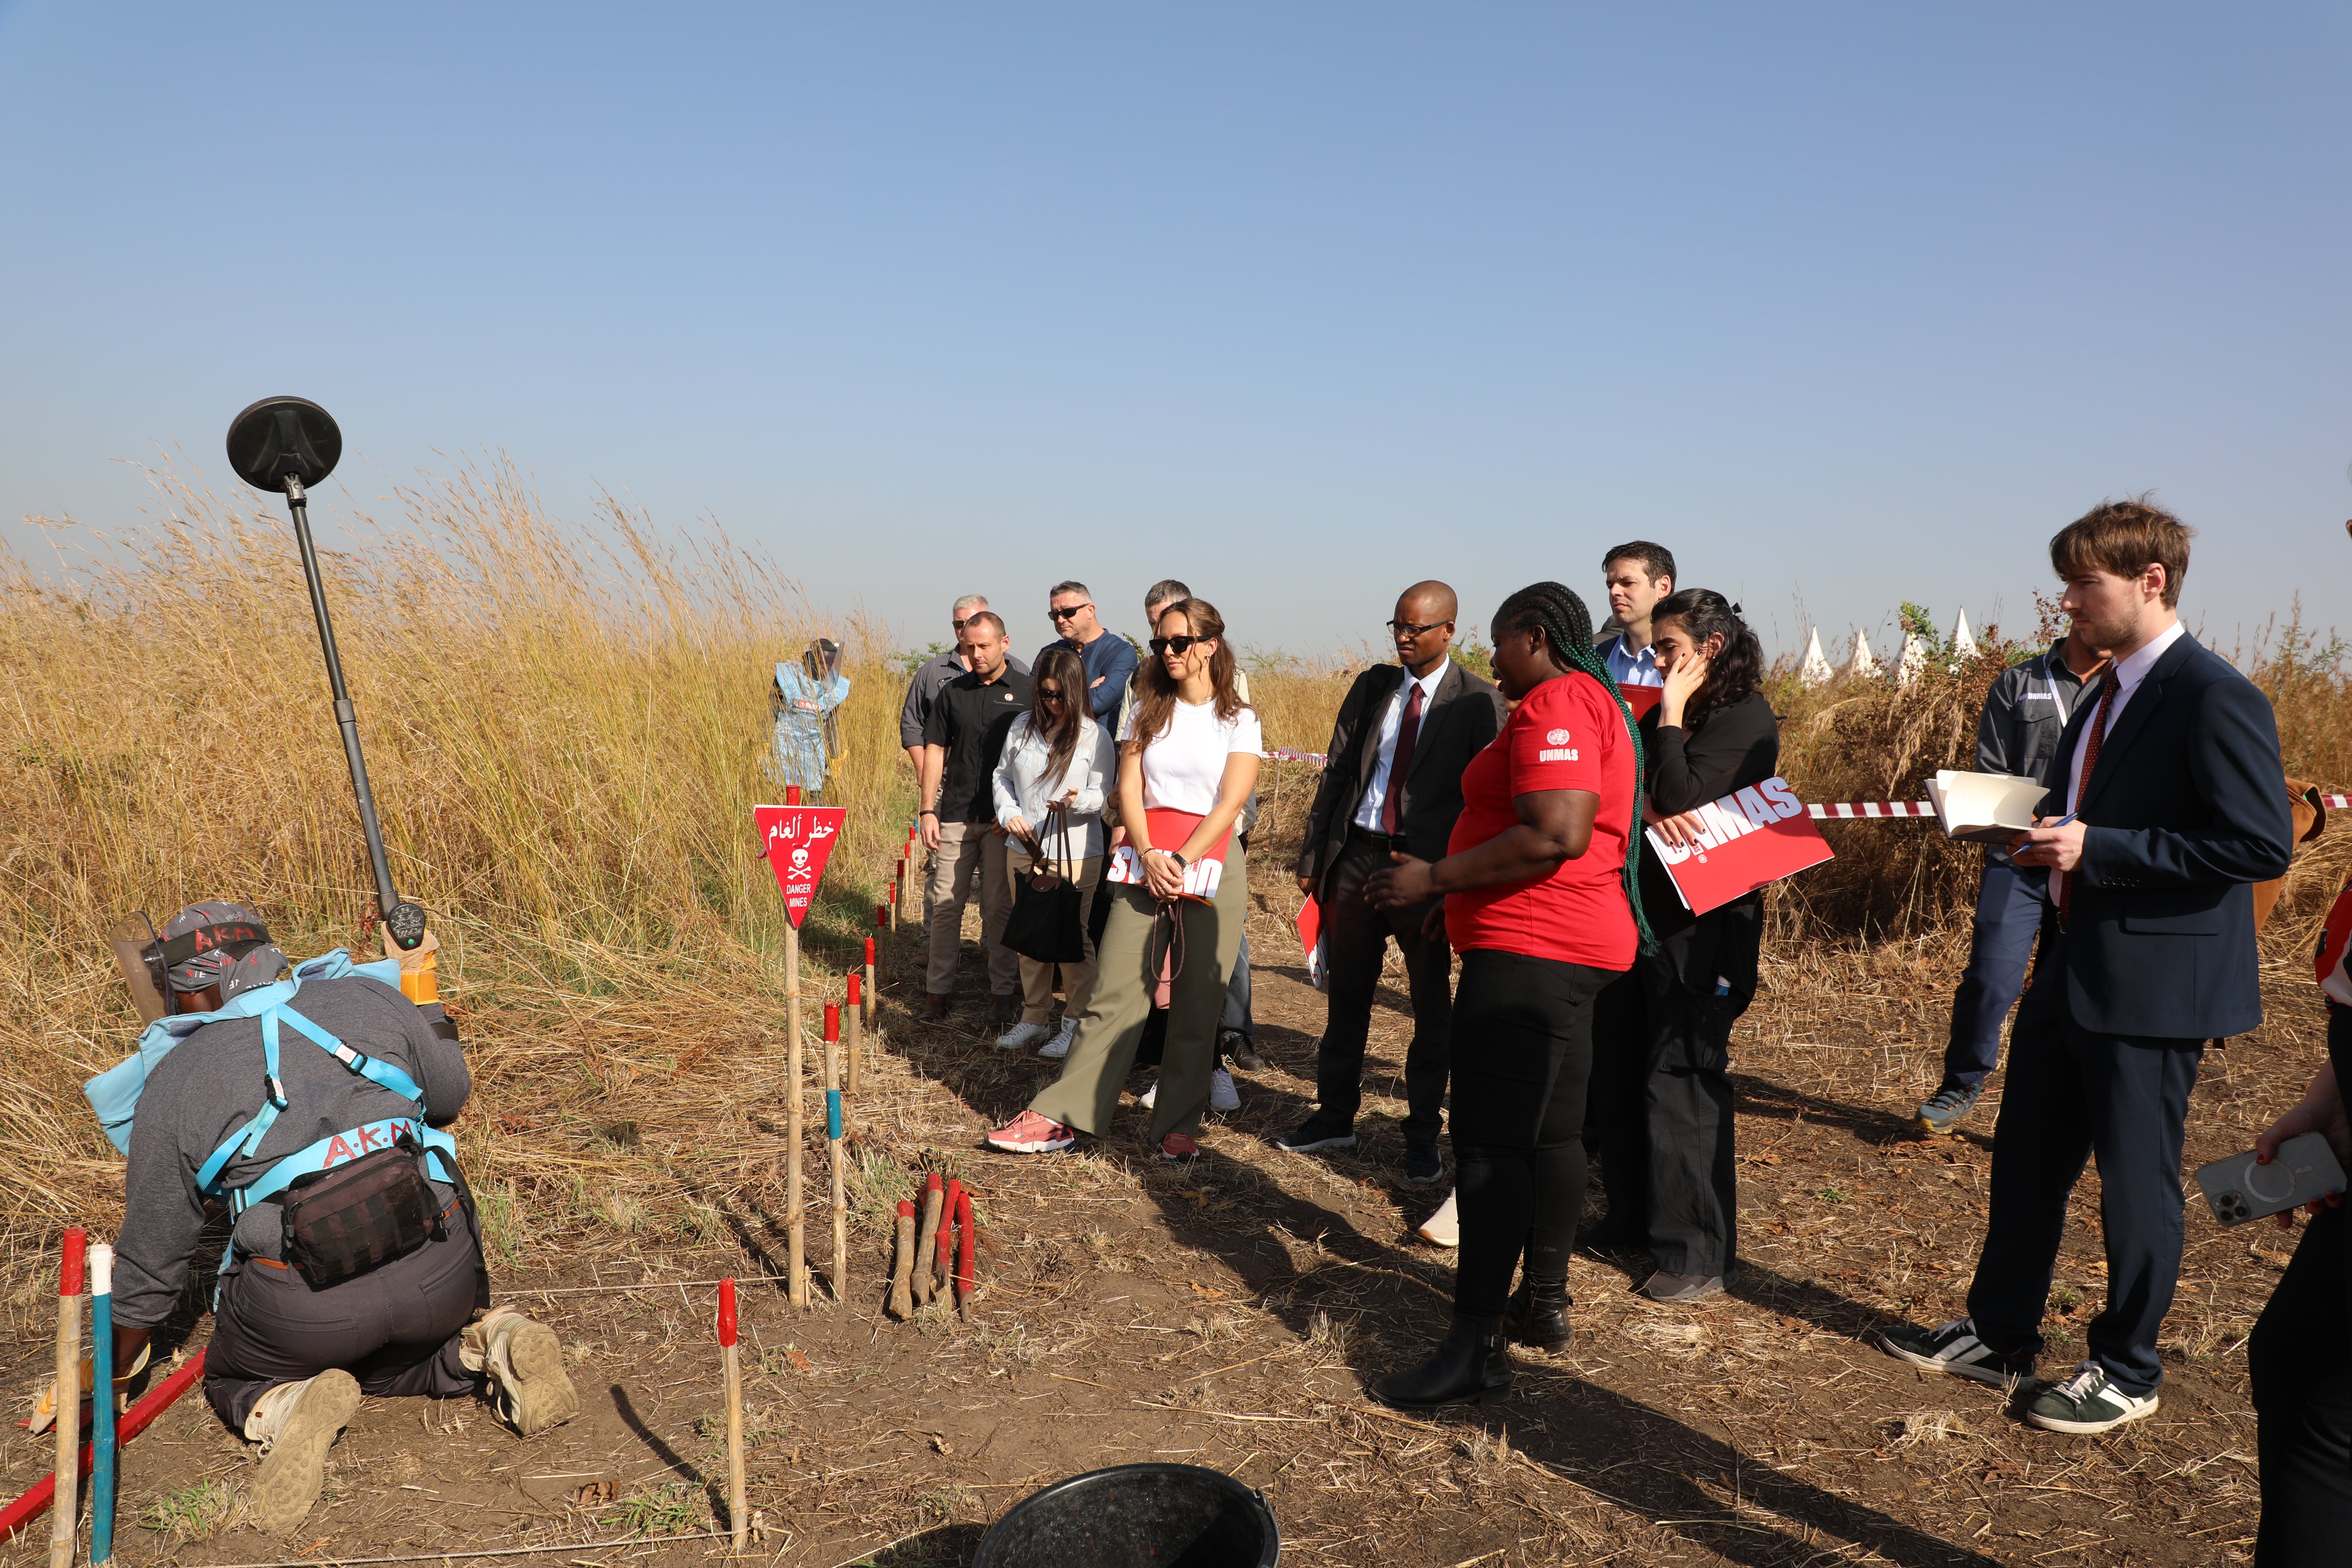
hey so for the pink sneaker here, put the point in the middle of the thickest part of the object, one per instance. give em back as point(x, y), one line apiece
point(1176, 1146)
point(1030, 1133)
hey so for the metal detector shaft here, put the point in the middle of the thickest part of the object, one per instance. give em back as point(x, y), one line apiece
point(387, 897)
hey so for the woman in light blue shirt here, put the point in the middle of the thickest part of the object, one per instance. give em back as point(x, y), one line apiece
point(1056, 755)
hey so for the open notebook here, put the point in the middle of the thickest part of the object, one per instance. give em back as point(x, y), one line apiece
point(1984, 808)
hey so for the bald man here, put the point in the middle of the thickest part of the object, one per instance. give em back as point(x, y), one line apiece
point(1393, 783)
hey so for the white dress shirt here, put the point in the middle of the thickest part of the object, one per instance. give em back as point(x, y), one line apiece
point(1376, 788)
point(2126, 675)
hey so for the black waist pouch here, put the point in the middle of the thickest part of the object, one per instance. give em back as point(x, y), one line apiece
point(342, 1223)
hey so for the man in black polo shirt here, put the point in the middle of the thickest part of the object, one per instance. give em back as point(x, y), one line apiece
point(962, 739)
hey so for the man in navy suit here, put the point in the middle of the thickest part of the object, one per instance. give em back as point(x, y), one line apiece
point(2170, 806)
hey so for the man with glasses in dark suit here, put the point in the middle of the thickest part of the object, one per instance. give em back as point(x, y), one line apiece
point(1393, 784)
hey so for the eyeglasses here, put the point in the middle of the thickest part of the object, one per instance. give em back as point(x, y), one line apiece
point(1066, 614)
point(968, 620)
point(1178, 646)
point(1049, 694)
point(1407, 629)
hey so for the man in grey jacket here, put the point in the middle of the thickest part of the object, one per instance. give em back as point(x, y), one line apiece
point(288, 1360)
point(2024, 714)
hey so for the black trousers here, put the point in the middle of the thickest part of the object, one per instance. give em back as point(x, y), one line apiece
point(1526, 1028)
point(394, 1328)
point(1662, 1119)
point(1355, 937)
point(2301, 1357)
point(2071, 1093)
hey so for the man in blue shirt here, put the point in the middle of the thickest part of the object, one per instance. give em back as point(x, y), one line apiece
point(1109, 659)
point(1638, 575)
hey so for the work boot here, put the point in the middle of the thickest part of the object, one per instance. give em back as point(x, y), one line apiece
point(521, 1362)
point(296, 1423)
point(1536, 1314)
point(1003, 1010)
point(936, 1008)
point(1472, 1366)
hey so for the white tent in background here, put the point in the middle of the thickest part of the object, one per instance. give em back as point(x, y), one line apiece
point(1912, 660)
point(1862, 664)
point(1964, 643)
point(1815, 670)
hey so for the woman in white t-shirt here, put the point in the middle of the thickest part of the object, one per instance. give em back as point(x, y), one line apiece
point(1188, 761)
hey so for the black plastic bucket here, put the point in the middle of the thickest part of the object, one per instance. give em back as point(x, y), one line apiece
point(1136, 1516)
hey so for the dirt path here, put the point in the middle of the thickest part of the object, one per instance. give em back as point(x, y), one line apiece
point(1229, 1314)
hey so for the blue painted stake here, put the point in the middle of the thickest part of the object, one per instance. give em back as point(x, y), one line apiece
point(101, 1429)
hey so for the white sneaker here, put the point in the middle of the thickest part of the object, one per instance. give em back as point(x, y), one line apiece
point(1222, 1095)
point(1059, 1047)
point(1021, 1037)
point(1442, 1229)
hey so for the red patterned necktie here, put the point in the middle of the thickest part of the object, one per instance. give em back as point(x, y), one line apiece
point(2090, 759)
point(1408, 730)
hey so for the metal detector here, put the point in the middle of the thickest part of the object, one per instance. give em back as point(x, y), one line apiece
point(289, 443)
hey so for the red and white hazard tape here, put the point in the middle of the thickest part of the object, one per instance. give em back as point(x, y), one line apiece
point(1857, 810)
point(1834, 810)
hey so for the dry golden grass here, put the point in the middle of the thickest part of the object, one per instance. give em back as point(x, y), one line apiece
point(565, 729)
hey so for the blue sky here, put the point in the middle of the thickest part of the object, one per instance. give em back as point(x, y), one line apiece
point(1851, 304)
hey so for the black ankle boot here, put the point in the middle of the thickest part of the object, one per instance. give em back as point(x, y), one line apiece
point(1472, 1366)
point(1538, 1315)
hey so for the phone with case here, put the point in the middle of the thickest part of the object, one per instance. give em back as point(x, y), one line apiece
point(2238, 1190)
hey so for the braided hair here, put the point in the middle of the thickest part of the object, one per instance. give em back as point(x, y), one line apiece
point(1554, 609)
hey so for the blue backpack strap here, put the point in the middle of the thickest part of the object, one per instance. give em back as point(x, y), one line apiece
point(381, 1073)
point(248, 1137)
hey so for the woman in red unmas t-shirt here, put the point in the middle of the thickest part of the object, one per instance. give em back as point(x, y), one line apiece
point(1537, 902)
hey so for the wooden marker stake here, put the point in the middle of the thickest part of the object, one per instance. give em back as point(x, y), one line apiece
point(853, 1018)
point(944, 1266)
point(967, 1280)
point(101, 1409)
point(873, 993)
point(731, 1356)
point(833, 1149)
point(65, 1524)
point(902, 1265)
point(934, 1201)
point(796, 1247)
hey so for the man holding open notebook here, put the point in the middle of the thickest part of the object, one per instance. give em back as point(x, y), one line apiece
point(2024, 714)
point(2168, 808)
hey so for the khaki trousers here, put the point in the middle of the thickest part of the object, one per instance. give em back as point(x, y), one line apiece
point(1037, 979)
point(1103, 1053)
point(966, 847)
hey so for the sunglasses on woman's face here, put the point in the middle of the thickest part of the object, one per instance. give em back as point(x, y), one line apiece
point(1049, 694)
point(1180, 647)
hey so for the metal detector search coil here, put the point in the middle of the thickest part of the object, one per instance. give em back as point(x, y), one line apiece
point(286, 445)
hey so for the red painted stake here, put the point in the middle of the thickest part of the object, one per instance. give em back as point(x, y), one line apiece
point(949, 1210)
point(738, 1518)
point(135, 1420)
point(966, 1251)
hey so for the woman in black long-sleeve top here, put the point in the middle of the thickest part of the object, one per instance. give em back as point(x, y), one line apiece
point(1664, 1092)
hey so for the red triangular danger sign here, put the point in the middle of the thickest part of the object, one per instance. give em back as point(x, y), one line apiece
point(798, 839)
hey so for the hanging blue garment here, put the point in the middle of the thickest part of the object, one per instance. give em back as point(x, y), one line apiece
point(805, 705)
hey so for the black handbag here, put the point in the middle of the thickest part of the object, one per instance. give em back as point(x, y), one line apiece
point(1048, 918)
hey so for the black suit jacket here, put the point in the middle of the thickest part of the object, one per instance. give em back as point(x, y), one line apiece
point(1466, 713)
point(2183, 813)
